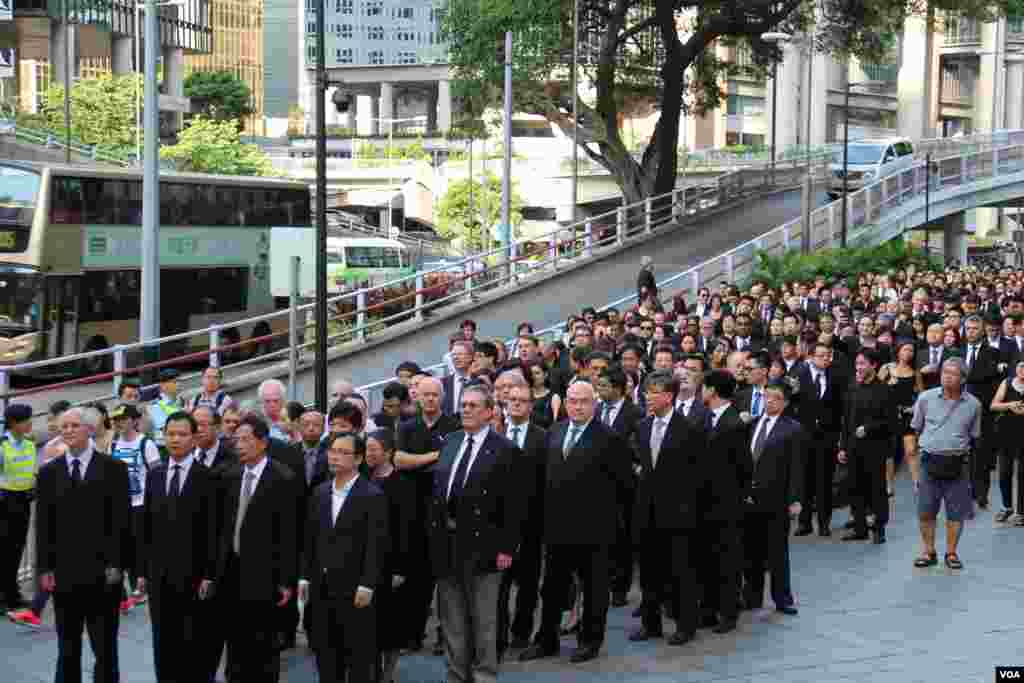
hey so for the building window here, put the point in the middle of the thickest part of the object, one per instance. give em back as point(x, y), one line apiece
point(406, 58)
point(403, 12)
point(406, 36)
point(373, 8)
point(376, 57)
point(345, 56)
point(344, 6)
point(375, 32)
point(344, 31)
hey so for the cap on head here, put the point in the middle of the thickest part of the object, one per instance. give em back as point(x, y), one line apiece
point(128, 410)
point(168, 375)
point(17, 412)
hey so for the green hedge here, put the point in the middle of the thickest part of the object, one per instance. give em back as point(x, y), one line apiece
point(835, 263)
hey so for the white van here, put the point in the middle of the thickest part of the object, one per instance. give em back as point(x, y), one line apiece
point(867, 161)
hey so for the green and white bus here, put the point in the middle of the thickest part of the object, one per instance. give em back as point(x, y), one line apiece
point(361, 262)
point(70, 254)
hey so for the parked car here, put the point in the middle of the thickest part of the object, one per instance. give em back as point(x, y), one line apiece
point(867, 161)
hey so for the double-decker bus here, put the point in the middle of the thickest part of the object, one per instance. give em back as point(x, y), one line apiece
point(70, 255)
point(354, 262)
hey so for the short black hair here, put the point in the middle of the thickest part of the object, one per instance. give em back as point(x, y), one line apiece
point(598, 355)
point(488, 349)
point(346, 411)
point(295, 410)
point(615, 376)
point(128, 384)
point(259, 426)
point(722, 382)
point(872, 356)
point(663, 379)
point(358, 442)
point(58, 407)
point(182, 416)
point(395, 390)
point(781, 386)
point(385, 436)
point(408, 366)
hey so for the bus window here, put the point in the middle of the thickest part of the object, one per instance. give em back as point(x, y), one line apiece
point(334, 257)
point(373, 257)
point(18, 188)
point(66, 202)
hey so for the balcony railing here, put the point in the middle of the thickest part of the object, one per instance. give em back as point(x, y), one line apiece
point(957, 88)
point(962, 31)
point(885, 73)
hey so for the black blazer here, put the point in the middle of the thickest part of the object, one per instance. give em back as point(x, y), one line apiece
point(984, 376)
point(489, 513)
point(776, 478)
point(224, 457)
point(819, 414)
point(698, 413)
point(870, 406)
point(82, 532)
point(727, 468)
point(269, 548)
point(531, 465)
point(585, 491)
point(627, 419)
point(448, 406)
point(179, 544)
point(666, 496)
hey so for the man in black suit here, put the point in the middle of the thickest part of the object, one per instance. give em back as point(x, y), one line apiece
point(929, 359)
point(726, 467)
point(983, 376)
point(179, 552)
point(866, 440)
point(746, 339)
point(690, 379)
point(770, 499)
point(258, 557)
point(821, 414)
point(666, 516)
point(475, 527)
point(622, 416)
point(750, 400)
point(82, 532)
point(343, 562)
point(219, 457)
point(584, 463)
point(453, 385)
point(525, 570)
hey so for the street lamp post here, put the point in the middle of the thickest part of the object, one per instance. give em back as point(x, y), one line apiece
point(775, 38)
point(139, 6)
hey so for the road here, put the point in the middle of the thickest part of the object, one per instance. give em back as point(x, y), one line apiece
point(544, 304)
point(866, 616)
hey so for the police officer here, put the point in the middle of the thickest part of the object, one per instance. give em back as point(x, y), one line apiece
point(17, 485)
point(166, 404)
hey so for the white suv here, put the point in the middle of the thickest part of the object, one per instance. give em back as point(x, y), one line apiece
point(867, 161)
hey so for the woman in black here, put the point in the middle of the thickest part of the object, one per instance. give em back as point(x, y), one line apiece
point(547, 405)
point(904, 386)
point(400, 563)
point(1008, 403)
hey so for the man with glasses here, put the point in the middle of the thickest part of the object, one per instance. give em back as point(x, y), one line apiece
point(750, 401)
point(584, 463)
point(455, 383)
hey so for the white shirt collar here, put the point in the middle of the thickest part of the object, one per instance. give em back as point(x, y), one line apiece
point(721, 409)
point(84, 459)
point(256, 469)
point(344, 490)
point(186, 465)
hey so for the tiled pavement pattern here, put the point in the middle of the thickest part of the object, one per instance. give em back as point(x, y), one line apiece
point(865, 615)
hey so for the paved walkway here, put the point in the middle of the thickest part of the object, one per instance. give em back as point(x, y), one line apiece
point(865, 615)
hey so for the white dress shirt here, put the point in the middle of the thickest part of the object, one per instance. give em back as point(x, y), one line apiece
point(339, 496)
point(767, 423)
point(83, 460)
point(207, 455)
point(520, 438)
point(186, 465)
point(613, 410)
point(579, 433)
point(257, 470)
point(685, 405)
point(478, 441)
point(716, 414)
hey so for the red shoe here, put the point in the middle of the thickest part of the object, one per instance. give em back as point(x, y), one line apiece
point(127, 605)
point(25, 617)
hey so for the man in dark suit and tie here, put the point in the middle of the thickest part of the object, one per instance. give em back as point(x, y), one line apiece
point(665, 518)
point(475, 527)
point(929, 359)
point(82, 517)
point(983, 376)
point(343, 562)
point(726, 466)
point(258, 557)
point(584, 463)
point(690, 379)
point(750, 400)
point(525, 570)
point(771, 498)
point(179, 552)
point(212, 452)
point(622, 416)
point(821, 414)
point(453, 385)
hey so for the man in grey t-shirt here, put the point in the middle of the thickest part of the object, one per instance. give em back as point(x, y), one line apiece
point(948, 422)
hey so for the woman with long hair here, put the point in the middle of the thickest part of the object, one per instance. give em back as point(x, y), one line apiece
point(547, 405)
point(905, 385)
point(1008, 403)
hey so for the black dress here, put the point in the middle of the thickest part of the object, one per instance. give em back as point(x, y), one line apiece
point(904, 395)
point(542, 415)
point(1010, 425)
point(401, 494)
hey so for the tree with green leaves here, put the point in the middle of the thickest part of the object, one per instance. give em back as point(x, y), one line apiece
point(646, 55)
point(219, 95)
point(103, 109)
point(474, 221)
point(209, 146)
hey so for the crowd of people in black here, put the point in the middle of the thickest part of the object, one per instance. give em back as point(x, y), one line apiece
point(680, 438)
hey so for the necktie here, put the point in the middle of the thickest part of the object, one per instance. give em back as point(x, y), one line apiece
point(607, 415)
point(762, 433)
point(656, 437)
point(710, 420)
point(461, 472)
point(574, 433)
point(821, 385)
point(935, 356)
point(970, 356)
point(175, 487)
point(755, 405)
point(76, 472)
point(243, 505)
point(515, 434)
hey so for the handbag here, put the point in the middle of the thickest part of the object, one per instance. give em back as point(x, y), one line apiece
point(946, 466)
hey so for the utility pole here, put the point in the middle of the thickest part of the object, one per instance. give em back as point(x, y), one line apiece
point(321, 213)
point(506, 180)
point(150, 314)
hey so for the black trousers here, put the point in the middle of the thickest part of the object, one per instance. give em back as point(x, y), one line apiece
point(622, 553)
point(668, 574)
point(96, 610)
point(213, 626)
point(525, 573)
point(766, 548)
point(819, 469)
point(350, 636)
point(252, 634)
point(719, 571)
point(593, 565)
point(173, 612)
point(983, 457)
point(868, 488)
point(15, 512)
point(416, 596)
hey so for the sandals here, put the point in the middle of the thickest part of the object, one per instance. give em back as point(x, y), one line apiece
point(929, 560)
point(953, 561)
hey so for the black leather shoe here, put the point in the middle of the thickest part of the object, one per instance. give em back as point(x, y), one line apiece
point(803, 530)
point(787, 609)
point(681, 638)
point(850, 525)
point(538, 651)
point(708, 621)
point(878, 536)
point(855, 536)
point(619, 600)
point(638, 612)
point(642, 634)
point(438, 650)
point(725, 626)
point(824, 531)
point(520, 643)
point(584, 653)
